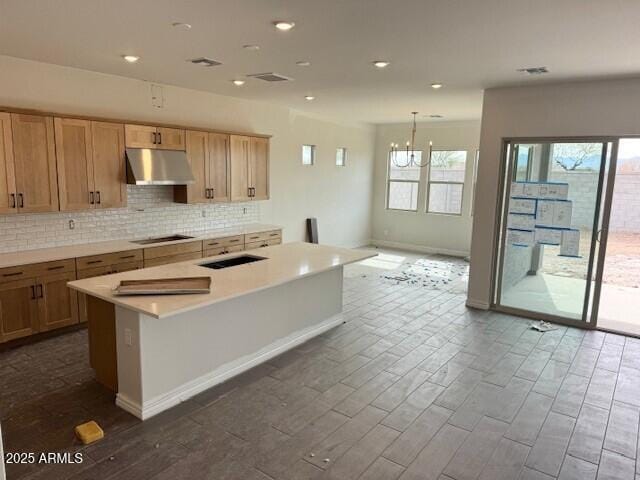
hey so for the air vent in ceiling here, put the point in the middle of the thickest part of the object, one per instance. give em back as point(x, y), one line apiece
point(205, 62)
point(534, 70)
point(271, 77)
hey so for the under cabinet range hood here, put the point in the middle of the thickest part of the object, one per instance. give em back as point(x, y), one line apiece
point(146, 166)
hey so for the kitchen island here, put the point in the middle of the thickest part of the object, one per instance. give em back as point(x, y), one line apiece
point(157, 351)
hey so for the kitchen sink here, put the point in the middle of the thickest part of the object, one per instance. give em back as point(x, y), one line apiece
point(170, 238)
point(232, 262)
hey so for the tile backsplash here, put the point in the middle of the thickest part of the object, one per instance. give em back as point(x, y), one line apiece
point(150, 212)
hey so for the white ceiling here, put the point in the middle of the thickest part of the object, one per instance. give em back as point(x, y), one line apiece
point(466, 44)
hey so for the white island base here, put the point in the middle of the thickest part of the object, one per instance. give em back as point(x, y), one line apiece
point(164, 361)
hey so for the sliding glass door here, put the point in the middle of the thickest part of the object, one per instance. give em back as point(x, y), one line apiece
point(551, 216)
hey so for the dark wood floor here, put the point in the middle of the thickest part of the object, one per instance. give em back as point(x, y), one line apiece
point(412, 386)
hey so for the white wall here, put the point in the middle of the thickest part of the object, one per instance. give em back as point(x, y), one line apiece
point(570, 109)
point(419, 230)
point(340, 197)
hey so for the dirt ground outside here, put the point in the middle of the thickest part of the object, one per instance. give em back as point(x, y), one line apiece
point(622, 265)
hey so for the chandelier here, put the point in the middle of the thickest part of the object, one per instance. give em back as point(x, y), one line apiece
point(410, 150)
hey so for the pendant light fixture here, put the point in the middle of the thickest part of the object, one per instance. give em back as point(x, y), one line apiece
point(410, 150)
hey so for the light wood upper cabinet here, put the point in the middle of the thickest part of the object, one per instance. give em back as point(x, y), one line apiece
point(170, 139)
point(146, 136)
point(8, 200)
point(90, 163)
point(208, 155)
point(239, 168)
point(219, 167)
point(141, 136)
point(198, 156)
point(249, 168)
point(109, 165)
point(18, 309)
point(259, 168)
point(35, 163)
point(74, 153)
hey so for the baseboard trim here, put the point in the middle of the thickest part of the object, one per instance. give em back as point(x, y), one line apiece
point(477, 304)
point(411, 247)
point(178, 395)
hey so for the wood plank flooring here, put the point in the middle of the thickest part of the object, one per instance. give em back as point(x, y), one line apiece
point(412, 386)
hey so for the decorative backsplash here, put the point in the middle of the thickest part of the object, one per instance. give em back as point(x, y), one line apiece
point(150, 212)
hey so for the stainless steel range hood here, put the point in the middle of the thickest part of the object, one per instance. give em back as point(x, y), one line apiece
point(158, 167)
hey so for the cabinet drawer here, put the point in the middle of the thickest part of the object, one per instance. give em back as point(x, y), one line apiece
point(252, 245)
point(94, 272)
point(222, 250)
point(108, 259)
point(224, 242)
point(36, 269)
point(170, 250)
point(274, 241)
point(125, 267)
point(152, 262)
point(261, 236)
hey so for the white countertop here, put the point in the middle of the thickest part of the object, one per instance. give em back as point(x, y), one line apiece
point(284, 263)
point(40, 255)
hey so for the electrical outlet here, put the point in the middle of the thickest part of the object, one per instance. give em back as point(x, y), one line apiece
point(72, 224)
point(204, 213)
point(128, 337)
point(244, 210)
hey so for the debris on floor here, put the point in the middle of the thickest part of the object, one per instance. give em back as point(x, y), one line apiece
point(430, 273)
point(89, 432)
point(542, 326)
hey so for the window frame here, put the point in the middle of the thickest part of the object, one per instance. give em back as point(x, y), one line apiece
point(388, 189)
point(446, 182)
point(313, 155)
point(344, 156)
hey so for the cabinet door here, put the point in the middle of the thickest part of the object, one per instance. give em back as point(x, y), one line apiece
point(7, 179)
point(170, 139)
point(74, 159)
point(57, 303)
point(140, 136)
point(239, 167)
point(18, 310)
point(197, 155)
point(219, 166)
point(259, 168)
point(109, 165)
point(35, 163)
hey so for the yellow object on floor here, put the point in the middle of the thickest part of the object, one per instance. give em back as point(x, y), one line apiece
point(89, 432)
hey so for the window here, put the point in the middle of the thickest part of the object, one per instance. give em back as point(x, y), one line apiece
point(522, 169)
point(403, 182)
point(308, 154)
point(475, 181)
point(341, 156)
point(446, 181)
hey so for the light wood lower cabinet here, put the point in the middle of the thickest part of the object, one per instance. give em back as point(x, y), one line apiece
point(37, 305)
point(223, 250)
point(18, 309)
point(57, 303)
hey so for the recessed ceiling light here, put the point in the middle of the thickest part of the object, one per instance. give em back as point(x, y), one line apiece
point(533, 70)
point(184, 26)
point(381, 63)
point(436, 85)
point(284, 26)
point(309, 97)
point(251, 47)
point(131, 58)
point(303, 63)
point(238, 82)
